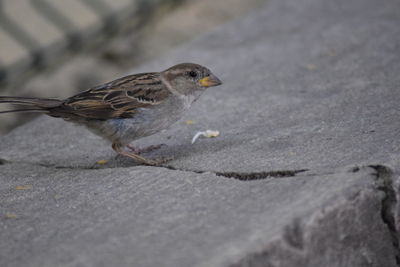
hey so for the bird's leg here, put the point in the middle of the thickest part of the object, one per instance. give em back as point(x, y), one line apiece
point(145, 149)
point(119, 149)
point(133, 149)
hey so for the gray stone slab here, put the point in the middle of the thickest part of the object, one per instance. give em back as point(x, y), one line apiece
point(147, 216)
point(307, 85)
point(49, 141)
point(296, 93)
point(304, 86)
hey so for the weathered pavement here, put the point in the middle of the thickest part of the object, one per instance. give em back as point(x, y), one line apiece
point(305, 172)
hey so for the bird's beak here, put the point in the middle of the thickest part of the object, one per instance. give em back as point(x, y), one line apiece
point(209, 81)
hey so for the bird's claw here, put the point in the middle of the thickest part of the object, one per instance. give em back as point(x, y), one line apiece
point(157, 162)
point(139, 151)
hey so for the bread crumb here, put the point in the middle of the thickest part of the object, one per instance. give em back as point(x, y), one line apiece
point(207, 133)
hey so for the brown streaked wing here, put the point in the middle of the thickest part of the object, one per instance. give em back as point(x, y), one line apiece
point(120, 98)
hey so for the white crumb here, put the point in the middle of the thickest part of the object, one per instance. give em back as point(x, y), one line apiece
point(207, 133)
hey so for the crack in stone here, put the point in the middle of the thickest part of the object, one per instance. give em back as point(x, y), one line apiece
point(249, 176)
point(389, 204)
point(243, 176)
point(48, 165)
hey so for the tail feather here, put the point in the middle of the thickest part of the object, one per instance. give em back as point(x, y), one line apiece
point(32, 104)
point(23, 110)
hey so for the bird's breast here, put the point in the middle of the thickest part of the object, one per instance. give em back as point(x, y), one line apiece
point(149, 120)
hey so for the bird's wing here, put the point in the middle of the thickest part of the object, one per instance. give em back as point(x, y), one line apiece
point(120, 98)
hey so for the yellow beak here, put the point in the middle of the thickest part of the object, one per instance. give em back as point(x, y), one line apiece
point(209, 81)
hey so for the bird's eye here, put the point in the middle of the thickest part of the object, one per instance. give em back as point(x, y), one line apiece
point(192, 74)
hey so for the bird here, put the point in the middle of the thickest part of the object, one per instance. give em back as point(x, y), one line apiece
point(128, 108)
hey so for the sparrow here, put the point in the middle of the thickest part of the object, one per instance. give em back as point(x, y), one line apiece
point(128, 108)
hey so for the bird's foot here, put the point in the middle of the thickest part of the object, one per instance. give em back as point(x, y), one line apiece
point(156, 162)
point(145, 149)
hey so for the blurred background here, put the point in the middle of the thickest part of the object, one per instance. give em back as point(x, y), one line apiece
point(55, 48)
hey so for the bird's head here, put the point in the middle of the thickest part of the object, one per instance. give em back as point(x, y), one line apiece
point(190, 78)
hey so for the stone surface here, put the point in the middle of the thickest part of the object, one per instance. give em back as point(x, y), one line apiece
point(274, 111)
point(156, 217)
point(310, 92)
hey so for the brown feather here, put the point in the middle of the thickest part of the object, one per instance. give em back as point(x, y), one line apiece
point(120, 98)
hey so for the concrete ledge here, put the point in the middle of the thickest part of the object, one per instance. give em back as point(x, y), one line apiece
point(154, 216)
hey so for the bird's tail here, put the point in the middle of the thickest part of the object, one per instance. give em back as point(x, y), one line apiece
point(29, 104)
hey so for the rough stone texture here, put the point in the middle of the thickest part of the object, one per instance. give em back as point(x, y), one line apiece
point(308, 85)
point(156, 217)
